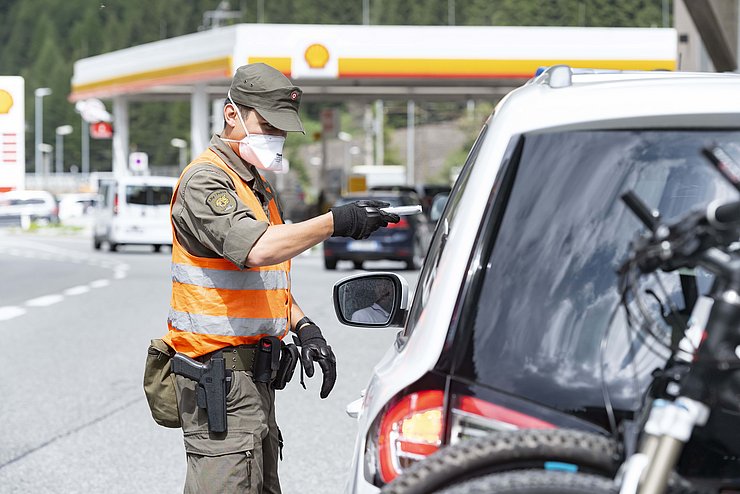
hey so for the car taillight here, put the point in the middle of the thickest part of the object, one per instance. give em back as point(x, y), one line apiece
point(414, 427)
point(404, 223)
point(409, 431)
point(115, 204)
point(473, 417)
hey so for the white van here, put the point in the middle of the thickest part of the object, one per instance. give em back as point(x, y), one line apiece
point(134, 210)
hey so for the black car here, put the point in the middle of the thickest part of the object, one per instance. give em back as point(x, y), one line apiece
point(405, 241)
point(426, 193)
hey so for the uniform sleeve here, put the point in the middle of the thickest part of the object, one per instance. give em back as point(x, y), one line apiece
point(208, 208)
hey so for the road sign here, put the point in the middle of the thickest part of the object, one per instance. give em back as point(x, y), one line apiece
point(101, 130)
point(93, 110)
point(138, 162)
point(329, 122)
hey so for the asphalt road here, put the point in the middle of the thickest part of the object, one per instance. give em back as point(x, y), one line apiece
point(74, 328)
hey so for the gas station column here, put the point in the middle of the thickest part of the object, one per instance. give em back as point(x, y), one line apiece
point(120, 136)
point(199, 120)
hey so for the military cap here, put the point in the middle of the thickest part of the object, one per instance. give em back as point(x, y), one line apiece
point(270, 93)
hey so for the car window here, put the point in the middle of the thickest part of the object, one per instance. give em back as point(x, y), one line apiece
point(439, 240)
point(148, 195)
point(548, 294)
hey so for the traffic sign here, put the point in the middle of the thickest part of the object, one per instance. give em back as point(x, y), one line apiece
point(101, 130)
point(138, 162)
point(329, 122)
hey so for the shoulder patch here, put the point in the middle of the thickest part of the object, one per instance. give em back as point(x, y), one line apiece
point(221, 202)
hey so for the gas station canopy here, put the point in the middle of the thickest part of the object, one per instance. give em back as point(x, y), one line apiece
point(369, 61)
point(361, 63)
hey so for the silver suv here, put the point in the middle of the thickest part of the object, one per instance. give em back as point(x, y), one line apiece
point(518, 292)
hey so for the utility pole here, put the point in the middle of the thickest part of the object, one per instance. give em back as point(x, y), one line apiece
point(379, 122)
point(366, 12)
point(410, 141)
point(39, 139)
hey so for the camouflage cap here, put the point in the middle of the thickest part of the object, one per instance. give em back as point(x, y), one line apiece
point(270, 93)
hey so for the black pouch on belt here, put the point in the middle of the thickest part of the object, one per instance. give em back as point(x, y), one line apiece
point(267, 360)
point(289, 356)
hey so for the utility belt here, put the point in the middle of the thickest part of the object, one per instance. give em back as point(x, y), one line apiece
point(270, 361)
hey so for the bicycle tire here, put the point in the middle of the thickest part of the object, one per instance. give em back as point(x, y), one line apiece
point(535, 482)
point(527, 448)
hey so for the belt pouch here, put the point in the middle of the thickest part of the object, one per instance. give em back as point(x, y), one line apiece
point(159, 384)
point(267, 359)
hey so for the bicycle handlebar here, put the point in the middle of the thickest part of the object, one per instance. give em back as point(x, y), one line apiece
point(724, 215)
point(682, 243)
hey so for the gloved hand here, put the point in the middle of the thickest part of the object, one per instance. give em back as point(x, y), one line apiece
point(361, 218)
point(315, 349)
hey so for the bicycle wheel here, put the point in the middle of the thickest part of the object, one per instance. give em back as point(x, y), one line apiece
point(509, 450)
point(535, 482)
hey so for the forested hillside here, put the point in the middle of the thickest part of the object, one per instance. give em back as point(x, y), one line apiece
point(41, 39)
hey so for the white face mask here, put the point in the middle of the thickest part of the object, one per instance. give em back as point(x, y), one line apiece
point(264, 151)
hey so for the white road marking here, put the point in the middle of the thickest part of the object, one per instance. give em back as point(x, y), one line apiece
point(9, 312)
point(44, 301)
point(77, 290)
point(34, 250)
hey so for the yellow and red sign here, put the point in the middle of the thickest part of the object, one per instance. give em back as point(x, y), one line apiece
point(12, 133)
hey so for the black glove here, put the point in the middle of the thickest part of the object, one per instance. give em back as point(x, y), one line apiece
point(314, 349)
point(361, 218)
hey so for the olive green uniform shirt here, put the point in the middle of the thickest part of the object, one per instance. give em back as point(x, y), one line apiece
point(207, 232)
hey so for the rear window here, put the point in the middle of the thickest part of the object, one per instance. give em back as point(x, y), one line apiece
point(148, 195)
point(549, 290)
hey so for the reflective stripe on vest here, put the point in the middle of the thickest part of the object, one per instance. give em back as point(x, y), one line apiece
point(215, 304)
point(224, 325)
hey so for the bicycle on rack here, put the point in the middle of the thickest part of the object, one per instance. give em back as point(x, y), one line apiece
point(696, 392)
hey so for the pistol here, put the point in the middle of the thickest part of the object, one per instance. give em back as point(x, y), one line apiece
point(211, 391)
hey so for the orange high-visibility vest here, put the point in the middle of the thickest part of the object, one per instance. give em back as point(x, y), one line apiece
point(214, 303)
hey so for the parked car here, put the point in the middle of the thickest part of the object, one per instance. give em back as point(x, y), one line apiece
point(516, 320)
point(405, 241)
point(134, 210)
point(18, 206)
point(77, 205)
point(425, 192)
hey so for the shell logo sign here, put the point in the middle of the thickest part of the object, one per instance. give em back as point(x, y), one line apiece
point(12, 133)
point(316, 56)
point(6, 101)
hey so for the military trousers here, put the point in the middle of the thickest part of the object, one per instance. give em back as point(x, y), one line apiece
point(243, 459)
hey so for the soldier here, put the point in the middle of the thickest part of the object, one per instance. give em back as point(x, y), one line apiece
point(231, 257)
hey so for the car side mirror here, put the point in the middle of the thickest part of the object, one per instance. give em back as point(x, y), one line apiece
point(438, 206)
point(377, 300)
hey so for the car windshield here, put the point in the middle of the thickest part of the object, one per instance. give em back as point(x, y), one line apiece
point(148, 195)
point(549, 289)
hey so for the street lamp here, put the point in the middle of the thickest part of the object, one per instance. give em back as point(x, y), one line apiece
point(61, 131)
point(181, 145)
point(39, 93)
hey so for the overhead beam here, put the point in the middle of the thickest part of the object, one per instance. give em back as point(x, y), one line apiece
point(717, 23)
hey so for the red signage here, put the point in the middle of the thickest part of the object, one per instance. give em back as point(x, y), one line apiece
point(101, 130)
